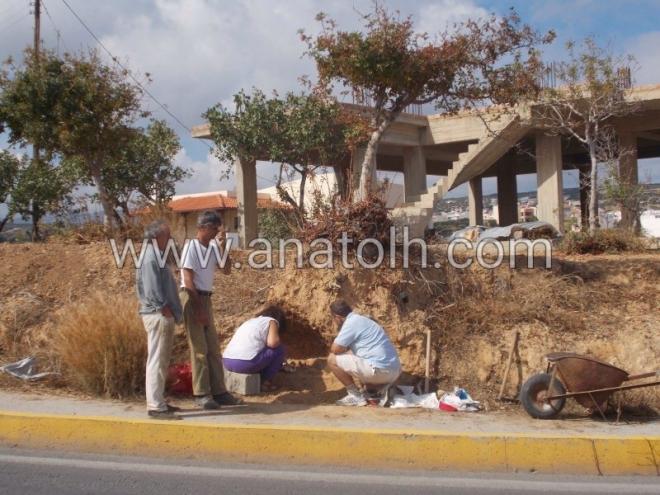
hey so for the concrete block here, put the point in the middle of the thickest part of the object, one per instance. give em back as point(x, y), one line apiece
point(242, 384)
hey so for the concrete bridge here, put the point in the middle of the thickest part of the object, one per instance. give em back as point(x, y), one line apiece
point(465, 148)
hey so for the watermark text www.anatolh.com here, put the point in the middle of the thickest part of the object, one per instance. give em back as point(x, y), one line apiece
point(369, 253)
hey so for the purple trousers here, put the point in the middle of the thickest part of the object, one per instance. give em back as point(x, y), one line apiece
point(267, 363)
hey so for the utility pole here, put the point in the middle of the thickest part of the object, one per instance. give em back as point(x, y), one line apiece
point(37, 27)
point(36, 155)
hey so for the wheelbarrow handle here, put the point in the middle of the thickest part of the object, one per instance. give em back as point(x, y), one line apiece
point(643, 375)
point(599, 390)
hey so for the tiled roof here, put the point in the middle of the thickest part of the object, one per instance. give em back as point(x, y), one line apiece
point(216, 202)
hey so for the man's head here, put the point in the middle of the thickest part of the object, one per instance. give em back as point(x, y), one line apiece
point(208, 226)
point(339, 311)
point(158, 230)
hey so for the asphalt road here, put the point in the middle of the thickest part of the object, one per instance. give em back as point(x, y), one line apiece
point(31, 472)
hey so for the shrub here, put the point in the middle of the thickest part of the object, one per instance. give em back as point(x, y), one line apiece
point(360, 220)
point(603, 241)
point(276, 224)
point(101, 346)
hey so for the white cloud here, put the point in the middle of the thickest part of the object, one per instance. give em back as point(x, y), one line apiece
point(437, 16)
point(201, 52)
point(206, 174)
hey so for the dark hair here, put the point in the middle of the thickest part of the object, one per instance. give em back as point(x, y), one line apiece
point(209, 218)
point(340, 308)
point(277, 314)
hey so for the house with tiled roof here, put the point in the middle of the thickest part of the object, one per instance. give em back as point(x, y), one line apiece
point(187, 208)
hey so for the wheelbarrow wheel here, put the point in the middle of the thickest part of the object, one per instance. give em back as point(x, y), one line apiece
point(533, 396)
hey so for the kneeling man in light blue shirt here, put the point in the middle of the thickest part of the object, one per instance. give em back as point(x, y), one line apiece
point(361, 352)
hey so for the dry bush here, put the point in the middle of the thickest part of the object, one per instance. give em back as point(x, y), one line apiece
point(360, 220)
point(22, 313)
point(101, 346)
point(603, 241)
point(482, 299)
point(92, 231)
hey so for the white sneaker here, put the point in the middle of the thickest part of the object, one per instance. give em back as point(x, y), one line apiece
point(352, 400)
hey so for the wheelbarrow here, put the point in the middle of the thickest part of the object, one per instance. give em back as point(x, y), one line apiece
point(589, 381)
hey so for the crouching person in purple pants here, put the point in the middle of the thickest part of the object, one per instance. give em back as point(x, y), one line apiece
point(256, 347)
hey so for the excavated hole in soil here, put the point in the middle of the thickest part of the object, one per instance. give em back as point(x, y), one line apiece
point(302, 340)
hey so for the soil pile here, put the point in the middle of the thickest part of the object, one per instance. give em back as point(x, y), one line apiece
point(606, 306)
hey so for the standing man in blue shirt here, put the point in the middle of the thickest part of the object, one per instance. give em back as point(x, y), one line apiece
point(160, 309)
point(361, 351)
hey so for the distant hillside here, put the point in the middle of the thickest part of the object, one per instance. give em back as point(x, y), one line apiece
point(651, 197)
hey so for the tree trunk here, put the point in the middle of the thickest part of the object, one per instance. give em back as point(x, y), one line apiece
point(118, 219)
point(369, 161)
point(284, 194)
point(36, 215)
point(593, 194)
point(124, 208)
point(342, 180)
point(301, 194)
point(109, 214)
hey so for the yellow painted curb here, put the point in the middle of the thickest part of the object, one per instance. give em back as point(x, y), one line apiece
point(337, 446)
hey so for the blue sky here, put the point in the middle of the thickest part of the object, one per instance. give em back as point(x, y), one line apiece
point(201, 52)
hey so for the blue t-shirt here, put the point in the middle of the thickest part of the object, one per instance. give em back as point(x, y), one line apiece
point(367, 340)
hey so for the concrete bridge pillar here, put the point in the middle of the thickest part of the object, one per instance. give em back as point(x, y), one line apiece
point(475, 202)
point(507, 195)
point(414, 173)
point(550, 185)
point(246, 195)
point(628, 174)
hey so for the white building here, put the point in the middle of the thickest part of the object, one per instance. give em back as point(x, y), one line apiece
point(650, 222)
point(326, 185)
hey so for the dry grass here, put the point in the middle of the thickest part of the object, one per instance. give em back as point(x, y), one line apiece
point(603, 241)
point(483, 299)
point(101, 346)
point(23, 312)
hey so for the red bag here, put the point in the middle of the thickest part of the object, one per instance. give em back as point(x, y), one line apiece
point(179, 379)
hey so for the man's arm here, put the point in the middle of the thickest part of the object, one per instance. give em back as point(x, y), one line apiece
point(221, 239)
point(344, 338)
point(338, 349)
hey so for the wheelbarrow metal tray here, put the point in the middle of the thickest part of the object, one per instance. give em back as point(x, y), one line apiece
point(584, 374)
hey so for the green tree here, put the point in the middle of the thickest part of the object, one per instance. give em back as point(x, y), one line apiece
point(247, 133)
point(300, 131)
point(314, 134)
point(28, 96)
point(9, 166)
point(592, 90)
point(490, 60)
point(76, 107)
point(41, 188)
point(144, 169)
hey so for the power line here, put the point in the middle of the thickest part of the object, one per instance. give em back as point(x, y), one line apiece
point(13, 22)
point(116, 60)
point(146, 91)
point(57, 31)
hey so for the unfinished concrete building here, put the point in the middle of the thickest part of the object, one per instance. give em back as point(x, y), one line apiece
point(462, 148)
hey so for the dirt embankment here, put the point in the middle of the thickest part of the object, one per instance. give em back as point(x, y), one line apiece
point(606, 306)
